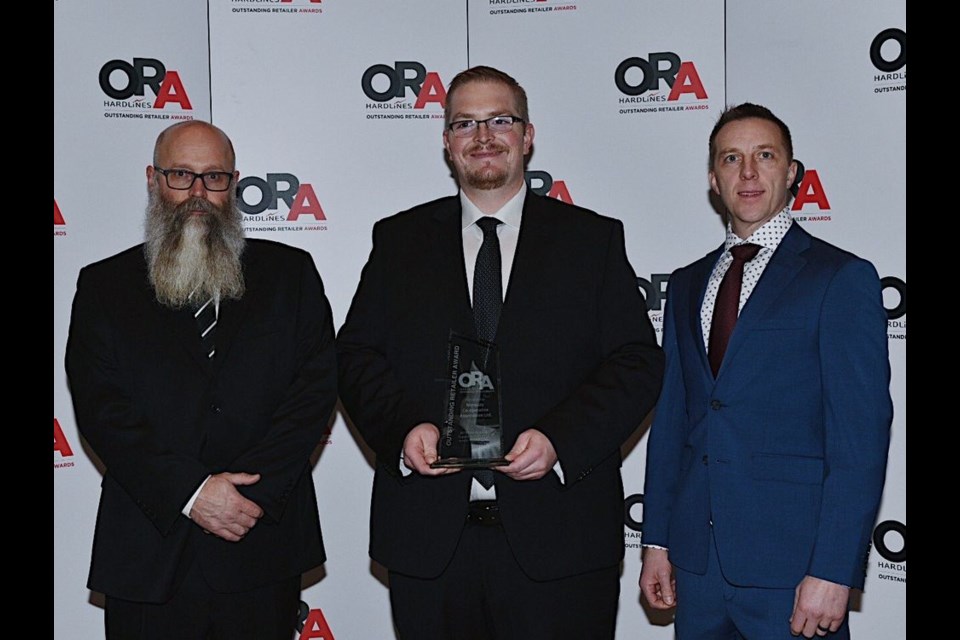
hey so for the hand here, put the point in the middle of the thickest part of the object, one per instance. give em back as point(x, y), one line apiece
point(656, 579)
point(819, 607)
point(222, 511)
point(420, 449)
point(531, 458)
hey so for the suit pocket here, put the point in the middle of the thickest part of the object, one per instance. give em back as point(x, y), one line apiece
point(784, 468)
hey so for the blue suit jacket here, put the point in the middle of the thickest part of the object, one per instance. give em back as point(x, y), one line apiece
point(785, 450)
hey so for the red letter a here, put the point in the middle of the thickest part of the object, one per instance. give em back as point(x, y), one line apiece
point(560, 192)
point(59, 441)
point(172, 91)
point(810, 190)
point(687, 81)
point(431, 91)
point(305, 202)
point(315, 627)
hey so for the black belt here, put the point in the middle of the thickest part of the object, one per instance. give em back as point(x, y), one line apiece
point(484, 512)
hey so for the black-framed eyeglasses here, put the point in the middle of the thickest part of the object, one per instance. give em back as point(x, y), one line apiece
point(182, 179)
point(496, 124)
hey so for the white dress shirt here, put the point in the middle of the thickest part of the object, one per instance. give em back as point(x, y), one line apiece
point(508, 233)
point(768, 237)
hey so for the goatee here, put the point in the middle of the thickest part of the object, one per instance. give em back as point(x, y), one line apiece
point(486, 178)
point(193, 258)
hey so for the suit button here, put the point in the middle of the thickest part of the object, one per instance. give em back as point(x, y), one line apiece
point(705, 460)
point(214, 408)
point(715, 405)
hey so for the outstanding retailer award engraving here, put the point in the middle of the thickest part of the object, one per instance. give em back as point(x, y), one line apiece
point(471, 436)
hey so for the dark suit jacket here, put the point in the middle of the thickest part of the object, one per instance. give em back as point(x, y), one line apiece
point(786, 449)
point(578, 360)
point(162, 417)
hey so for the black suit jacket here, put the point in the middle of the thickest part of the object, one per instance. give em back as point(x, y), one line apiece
point(162, 417)
point(578, 359)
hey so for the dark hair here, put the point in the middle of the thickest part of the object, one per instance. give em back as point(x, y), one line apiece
point(742, 112)
point(487, 74)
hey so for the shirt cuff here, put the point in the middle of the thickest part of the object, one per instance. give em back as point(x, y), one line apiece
point(557, 469)
point(189, 506)
point(404, 469)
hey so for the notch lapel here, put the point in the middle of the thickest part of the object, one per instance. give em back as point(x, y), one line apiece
point(700, 276)
point(175, 328)
point(447, 241)
point(785, 264)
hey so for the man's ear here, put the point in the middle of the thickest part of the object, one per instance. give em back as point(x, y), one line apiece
point(791, 173)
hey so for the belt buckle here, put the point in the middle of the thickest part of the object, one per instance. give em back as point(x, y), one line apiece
point(484, 512)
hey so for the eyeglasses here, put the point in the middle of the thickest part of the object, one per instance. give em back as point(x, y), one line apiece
point(181, 179)
point(496, 124)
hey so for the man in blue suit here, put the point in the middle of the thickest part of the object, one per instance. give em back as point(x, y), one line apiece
point(767, 455)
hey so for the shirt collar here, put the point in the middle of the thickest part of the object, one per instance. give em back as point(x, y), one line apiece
point(510, 213)
point(768, 235)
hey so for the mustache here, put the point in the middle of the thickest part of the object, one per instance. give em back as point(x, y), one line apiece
point(177, 216)
point(194, 204)
point(492, 145)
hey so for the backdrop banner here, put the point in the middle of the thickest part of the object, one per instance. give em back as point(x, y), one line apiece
point(335, 108)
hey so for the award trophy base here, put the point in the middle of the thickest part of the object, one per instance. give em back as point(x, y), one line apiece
point(469, 463)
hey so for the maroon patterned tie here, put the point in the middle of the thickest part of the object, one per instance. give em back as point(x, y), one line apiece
point(727, 307)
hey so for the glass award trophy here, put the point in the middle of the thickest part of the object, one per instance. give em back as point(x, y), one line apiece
point(471, 435)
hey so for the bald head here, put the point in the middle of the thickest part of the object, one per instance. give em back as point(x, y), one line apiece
point(197, 133)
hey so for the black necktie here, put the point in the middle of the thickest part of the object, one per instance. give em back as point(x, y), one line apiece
point(206, 317)
point(487, 281)
point(487, 300)
point(727, 307)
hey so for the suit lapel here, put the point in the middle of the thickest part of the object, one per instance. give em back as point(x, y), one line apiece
point(175, 328)
point(784, 265)
point(229, 320)
point(451, 274)
point(187, 335)
point(701, 276)
point(232, 313)
point(531, 263)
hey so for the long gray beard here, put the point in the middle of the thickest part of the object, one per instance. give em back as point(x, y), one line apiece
point(193, 258)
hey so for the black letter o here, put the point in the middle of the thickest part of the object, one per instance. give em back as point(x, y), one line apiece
point(878, 534)
point(628, 504)
point(889, 65)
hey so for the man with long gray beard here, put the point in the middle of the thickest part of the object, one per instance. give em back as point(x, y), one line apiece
point(203, 375)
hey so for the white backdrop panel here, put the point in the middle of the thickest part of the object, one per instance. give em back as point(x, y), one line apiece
point(289, 88)
point(624, 142)
point(105, 123)
point(335, 111)
point(812, 64)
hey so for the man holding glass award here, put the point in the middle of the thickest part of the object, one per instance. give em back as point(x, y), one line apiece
point(496, 356)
